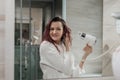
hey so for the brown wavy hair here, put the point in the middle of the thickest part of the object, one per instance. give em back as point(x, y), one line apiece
point(66, 29)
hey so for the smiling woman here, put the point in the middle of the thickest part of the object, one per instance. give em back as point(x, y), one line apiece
point(55, 54)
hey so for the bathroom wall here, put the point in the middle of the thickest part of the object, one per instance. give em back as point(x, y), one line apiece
point(9, 39)
point(86, 16)
point(2, 39)
point(79, 14)
point(6, 39)
point(110, 36)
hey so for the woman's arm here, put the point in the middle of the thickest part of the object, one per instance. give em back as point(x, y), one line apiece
point(88, 50)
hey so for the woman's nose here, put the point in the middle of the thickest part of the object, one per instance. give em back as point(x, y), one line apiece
point(54, 31)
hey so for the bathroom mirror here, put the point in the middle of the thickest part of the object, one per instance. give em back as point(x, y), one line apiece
point(31, 16)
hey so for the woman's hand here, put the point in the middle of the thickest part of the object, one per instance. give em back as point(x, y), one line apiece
point(88, 50)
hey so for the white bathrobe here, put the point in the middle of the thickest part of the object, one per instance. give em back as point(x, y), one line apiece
point(55, 64)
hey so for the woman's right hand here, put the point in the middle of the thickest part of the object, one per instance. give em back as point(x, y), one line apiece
point(87, 49)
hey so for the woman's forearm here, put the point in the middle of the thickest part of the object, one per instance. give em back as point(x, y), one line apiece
point(88, 50)
point(85, 56)
point(83, 60)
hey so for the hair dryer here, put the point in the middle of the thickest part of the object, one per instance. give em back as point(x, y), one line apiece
point(90, 39)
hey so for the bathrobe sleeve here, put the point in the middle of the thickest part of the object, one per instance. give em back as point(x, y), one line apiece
point(52, 58)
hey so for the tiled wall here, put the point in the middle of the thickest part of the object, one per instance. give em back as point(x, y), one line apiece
point(6, 39)
point(2, 38)
point(9, 39)
point(87, 13)
point(86, 16)
point(2, 22)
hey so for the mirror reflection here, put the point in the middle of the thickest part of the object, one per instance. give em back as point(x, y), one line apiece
point(84, 19)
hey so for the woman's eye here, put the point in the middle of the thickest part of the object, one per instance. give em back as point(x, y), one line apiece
point(58, 29)
point(51, 28)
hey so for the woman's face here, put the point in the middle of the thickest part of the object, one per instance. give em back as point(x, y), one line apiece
point(56, 31)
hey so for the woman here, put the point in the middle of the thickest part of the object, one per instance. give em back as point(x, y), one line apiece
point(56, 59)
